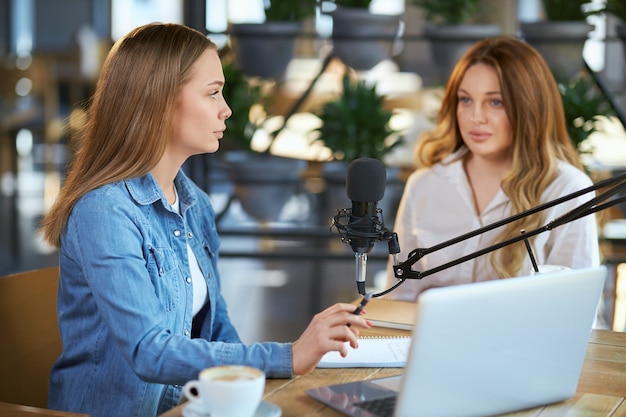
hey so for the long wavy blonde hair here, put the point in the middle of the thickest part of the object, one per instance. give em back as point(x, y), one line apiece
point(129, 116)
point(535, 111)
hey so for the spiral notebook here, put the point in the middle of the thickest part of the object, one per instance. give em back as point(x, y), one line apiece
point(373, 352)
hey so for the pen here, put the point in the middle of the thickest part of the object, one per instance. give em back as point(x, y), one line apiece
point(362, 305)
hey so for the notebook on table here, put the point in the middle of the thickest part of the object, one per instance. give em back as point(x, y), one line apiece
point(373, 352)
point(393, 314)
point(486, 348)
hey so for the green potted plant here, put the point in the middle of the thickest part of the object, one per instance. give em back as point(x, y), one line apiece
point(289, 10)
point(263, 183)
point(583, 103)
point(451, 28)
point(561, 36)
point(265, 49)
point(360, 38)
point(443, 13)
point(357, 4)
point(356, 125)
point(241, 95)
point(564, 10)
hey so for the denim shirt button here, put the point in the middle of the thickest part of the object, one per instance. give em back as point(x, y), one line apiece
point(189, 235)
point(186, 332)
point(176, 232)
point(209, 275)
point(188, 279)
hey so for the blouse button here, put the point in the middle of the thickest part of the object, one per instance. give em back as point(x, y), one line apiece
point(209, 275)
point(188, 280)
point(189, 235)
point(176, 232)
point(186, 332)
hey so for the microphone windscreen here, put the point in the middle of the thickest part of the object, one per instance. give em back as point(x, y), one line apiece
point(366, 180)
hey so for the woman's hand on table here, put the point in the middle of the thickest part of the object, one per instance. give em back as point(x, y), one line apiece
point(328, 331)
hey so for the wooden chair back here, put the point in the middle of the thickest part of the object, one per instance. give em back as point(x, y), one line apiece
point(30, 335)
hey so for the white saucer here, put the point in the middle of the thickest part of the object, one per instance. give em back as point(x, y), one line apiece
point(266, 409)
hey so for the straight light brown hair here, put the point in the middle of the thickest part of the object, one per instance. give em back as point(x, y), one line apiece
point(129, 117)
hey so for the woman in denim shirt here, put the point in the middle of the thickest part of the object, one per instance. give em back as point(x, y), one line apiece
point(139, 303)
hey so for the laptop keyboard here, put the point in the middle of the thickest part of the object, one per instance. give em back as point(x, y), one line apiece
point(381, 407)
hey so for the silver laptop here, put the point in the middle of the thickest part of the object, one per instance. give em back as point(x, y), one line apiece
point(486, 348)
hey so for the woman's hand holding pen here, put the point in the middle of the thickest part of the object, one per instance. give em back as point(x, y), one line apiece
point(328, 331)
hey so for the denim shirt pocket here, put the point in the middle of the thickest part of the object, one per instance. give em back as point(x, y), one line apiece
point(207, 248)
point(165, 276)
point(208, 266)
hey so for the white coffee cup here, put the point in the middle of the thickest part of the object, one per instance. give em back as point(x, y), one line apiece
point(227, 391)
point(546, 269)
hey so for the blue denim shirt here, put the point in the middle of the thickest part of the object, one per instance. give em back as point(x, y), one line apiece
point(125, 303)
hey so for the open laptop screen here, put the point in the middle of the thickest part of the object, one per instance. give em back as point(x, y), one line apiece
point(489, 348)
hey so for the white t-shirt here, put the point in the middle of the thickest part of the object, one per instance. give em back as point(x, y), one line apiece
point(437, 205)
point(198, 283)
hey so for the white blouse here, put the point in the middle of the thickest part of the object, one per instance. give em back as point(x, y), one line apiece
point(437, 205)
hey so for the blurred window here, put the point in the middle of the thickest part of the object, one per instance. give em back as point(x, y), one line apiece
point(128, 14)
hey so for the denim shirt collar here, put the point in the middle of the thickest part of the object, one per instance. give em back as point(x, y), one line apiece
point(145, 190)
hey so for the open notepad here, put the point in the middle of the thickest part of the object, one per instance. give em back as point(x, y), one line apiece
point(373, 352)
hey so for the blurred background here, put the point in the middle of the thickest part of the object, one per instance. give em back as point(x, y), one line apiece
point(279, 177)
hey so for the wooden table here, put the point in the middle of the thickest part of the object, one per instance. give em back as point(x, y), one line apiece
point(15, 410)
point(601, 389)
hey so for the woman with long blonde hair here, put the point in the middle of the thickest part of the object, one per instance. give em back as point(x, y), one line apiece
point(500, 147)
point(139, 305)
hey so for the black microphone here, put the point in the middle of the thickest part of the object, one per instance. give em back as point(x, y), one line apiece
point(365, 186)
